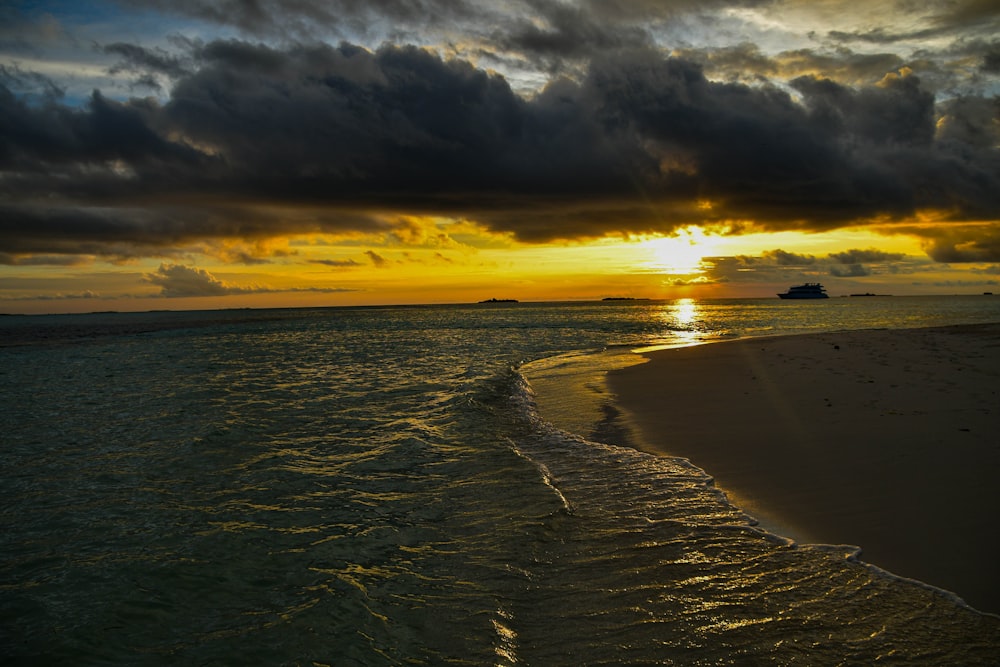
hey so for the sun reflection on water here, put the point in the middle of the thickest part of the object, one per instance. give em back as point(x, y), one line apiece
point(683, 316)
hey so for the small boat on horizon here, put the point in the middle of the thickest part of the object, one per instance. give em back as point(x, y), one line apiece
point(805, 291)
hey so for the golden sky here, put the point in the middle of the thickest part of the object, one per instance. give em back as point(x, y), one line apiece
point(197, 154)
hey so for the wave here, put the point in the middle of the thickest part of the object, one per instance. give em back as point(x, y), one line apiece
point(652, 555)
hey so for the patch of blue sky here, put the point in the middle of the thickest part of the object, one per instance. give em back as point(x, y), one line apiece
point(63, 42)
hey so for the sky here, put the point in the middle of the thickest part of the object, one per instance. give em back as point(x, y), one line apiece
point(183, 154)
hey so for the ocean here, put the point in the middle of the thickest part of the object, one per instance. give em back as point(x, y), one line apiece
point(375, 486)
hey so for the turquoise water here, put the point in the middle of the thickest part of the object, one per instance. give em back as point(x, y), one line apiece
point(374, 487)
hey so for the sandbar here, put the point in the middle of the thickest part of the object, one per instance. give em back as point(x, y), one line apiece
point(888, 440)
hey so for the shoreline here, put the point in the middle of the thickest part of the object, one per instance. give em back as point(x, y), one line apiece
point(883, 439)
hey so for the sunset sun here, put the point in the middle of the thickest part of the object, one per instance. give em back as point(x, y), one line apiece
point(682, 254)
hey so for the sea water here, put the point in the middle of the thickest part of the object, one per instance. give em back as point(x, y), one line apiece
point(373, 486)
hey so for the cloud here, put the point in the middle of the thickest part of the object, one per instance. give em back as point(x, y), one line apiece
point(535, 27)
point(29, 232)
point(783, 258)
point(939, 19)
point(176, 280)
point(256, 142)
point(970, 120)
point(135, 58)
point(865, 256)
point(309, 20)
point(568, 31)
point(44, 260)
point(25, 36)
point(964, 14)
point(991, 60)
point(974, 243)
point(779, 266)
point(960, 283)
point(115, 139)
point(34, 86)
point(378, 260)
point(336, 263)
point(71, 296)
point(748, 62)
point(850, 271)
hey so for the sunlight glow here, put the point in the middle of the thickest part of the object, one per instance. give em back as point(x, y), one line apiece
point(682, 317)
point(685, 312)
point(682, 254)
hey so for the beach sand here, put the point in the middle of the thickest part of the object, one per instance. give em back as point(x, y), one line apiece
point(888, 440)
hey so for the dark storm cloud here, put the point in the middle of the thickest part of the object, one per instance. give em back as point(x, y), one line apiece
point(652, 10)
point(941, 18)
point(567, 31)
point(980, 243)
point(36, 85)
point(741, 61)
point(122, 233)
point(896, 113)
point(254, 17)
point(991, 61)
point(973, 121)
point(134, 58)
point(957, 14)
point(40, 137)
point(883, 36)
point(260, 141)
point(318, 18)
point(24, 35)
point(539, 26)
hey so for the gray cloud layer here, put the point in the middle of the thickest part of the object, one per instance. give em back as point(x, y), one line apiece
point(257, 141)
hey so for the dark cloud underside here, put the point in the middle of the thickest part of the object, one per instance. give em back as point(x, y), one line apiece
point(256, 141)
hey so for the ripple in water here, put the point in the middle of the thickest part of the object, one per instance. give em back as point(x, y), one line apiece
point(372, 486)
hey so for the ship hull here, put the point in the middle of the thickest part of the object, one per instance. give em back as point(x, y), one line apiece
point(803, 296)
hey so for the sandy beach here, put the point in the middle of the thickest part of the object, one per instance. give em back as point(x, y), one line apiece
point(884, 439)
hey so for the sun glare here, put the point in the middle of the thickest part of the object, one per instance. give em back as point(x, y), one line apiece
point(682, 318)
point(681, 254)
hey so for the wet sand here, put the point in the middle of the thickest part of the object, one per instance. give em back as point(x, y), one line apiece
point(884, 439)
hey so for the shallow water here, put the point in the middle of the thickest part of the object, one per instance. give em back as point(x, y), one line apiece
point(373, 486)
